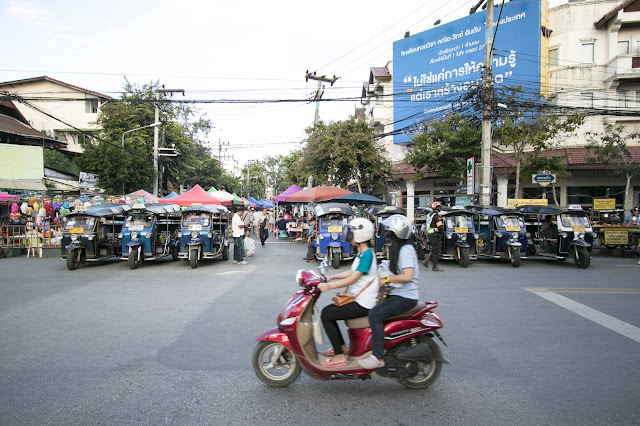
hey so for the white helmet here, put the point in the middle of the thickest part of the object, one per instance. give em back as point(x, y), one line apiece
point(399, 225)
point(360, 228)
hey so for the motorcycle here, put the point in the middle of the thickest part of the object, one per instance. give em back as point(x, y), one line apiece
point(413, 358)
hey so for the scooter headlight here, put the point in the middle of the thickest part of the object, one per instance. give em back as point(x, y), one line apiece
point(334, 236)
point(194, 234)
point(514, 235)
point(134, 235)
point(288, 321)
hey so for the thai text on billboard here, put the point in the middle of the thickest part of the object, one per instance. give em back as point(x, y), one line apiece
point(435, 69)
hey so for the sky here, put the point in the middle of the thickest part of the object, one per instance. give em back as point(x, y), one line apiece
point(220, 50)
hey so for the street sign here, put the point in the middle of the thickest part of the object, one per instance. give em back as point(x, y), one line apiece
point(604, 203)
point(470, 175)
point(543, 179)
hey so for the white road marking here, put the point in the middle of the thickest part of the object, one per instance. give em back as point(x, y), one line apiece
point(621, 327)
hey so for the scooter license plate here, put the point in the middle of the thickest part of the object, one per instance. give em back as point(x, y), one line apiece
point(76, 230)
point(513, 228)
point(461, 230)
point(577, 228)
point(335, 229)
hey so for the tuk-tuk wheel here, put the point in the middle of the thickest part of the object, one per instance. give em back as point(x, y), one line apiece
point(73, 259)
point(463, 257)
point(174, 252)
point(225, 253)
point(193, 258)
point(335, 260)
point(581, 257)
point(134, 258)
point(514, 256)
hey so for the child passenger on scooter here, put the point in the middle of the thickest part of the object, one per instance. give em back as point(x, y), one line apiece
point(362, 278)
point(402, 281)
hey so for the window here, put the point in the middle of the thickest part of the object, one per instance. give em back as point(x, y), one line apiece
point(586, 99)
point(637, 52)
point(553, 57)
point(623, 99)
point(623, 47)
point(91, 106)
point(588, 52)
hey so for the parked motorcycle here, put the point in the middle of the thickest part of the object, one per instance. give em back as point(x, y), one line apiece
point(413, 358)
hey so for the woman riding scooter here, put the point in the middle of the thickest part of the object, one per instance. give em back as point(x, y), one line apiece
point(363, 282)
point(402, 280)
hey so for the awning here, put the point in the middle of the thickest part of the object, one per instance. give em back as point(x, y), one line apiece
point(63, 184)
point(28, 185)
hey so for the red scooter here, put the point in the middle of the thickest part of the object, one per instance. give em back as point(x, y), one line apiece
point(412, 356)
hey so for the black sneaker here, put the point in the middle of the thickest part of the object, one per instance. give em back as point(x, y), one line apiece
point(436, 269)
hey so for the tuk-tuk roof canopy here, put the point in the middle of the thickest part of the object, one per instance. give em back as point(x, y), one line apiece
point(160, 208)
point(102, 210)
point(549, 210)
point(385, 211)
point(328, 208)
point(448, 211)
point(210, 208)
point(495, 210)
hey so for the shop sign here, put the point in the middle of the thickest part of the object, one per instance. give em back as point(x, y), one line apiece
point(616, 237)
point(604, 203)
point(528, 202)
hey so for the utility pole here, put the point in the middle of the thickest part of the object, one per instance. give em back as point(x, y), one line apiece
point(485, 176)
point(320, 78)
point(156, 136)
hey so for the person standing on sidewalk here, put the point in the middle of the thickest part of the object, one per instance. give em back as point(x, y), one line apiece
point(435, 230)
point(237, 231)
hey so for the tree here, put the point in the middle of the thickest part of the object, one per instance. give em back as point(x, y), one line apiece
point(526, 124)
point(443, 146)
point(344, 151)
point(57, 160)
point(611, 147)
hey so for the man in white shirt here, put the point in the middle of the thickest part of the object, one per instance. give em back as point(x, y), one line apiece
point(256, 221)
point(237, 231)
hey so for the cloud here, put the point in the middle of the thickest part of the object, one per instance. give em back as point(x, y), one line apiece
point(26, 13)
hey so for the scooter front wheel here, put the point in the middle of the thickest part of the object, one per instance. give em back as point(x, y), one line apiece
point(275, 365)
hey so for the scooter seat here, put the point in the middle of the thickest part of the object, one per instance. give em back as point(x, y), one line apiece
point(363, 322)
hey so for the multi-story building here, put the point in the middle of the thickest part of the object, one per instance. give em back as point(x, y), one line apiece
point(594, 66)
point(60, 108)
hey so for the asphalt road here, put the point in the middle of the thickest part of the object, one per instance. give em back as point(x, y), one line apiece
point(545, 343)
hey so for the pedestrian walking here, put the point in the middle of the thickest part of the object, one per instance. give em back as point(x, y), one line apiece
point(435, 230)
point(237, 231)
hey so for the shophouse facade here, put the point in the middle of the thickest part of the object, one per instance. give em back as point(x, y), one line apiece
point(594, 66)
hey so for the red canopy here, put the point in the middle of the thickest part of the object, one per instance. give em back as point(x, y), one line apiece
point(319, 193)
point(192, 196)
point(4, 197)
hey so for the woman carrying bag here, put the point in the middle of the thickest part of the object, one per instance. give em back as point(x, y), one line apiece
point(360, 297)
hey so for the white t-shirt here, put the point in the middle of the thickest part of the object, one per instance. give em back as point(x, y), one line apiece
point(366, 299)
point(236, 221)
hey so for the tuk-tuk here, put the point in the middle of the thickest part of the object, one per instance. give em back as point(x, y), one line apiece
point(204, 233)
point(559, 233)
point(376, 215)
point(329, 245)
point(459, 242)
point(91, 233)
point(501, 233)
point(150, 232)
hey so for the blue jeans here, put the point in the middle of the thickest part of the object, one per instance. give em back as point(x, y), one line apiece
point(237, 248)
point(390, 307)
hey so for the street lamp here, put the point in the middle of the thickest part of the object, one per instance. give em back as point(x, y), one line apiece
point(156, 124)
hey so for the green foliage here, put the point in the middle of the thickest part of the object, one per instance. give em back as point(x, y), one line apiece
point(343, 151)
point(443, 146)
point(57, 160)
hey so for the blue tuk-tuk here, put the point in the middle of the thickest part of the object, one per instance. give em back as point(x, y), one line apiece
point(204, 233)
point(559, 233)
point(92, 233)
point(501, 233)
point(150, 232)
point(380, 245)
point(329, 245)
point(459, 242)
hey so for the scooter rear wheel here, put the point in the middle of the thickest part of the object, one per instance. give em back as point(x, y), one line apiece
point(427, 374)
point(278, 372)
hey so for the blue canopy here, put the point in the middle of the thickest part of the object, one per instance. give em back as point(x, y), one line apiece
point(358, 198)
point(173, 194)
point(253, 201)
point(265, 203)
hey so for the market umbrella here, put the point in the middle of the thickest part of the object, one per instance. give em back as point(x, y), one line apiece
point(266, 203)
point(249, 202)
point(173, 194)
point(358, 198)
point(290, 190)
point(254, 201)
point(224, 196)
point(240, 201)
point(148, 197)
point(316, 194)
point(4, 197)
point(212, 189)
point(195, 195)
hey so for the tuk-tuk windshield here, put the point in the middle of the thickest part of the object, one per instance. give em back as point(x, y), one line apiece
point(85, 222)
point(202, 219)
point(504, 221)
point(459, 221)
point(332, 220)
point(570, 220)
point(138, 222)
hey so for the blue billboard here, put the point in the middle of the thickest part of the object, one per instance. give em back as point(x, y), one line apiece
point(435, 69)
